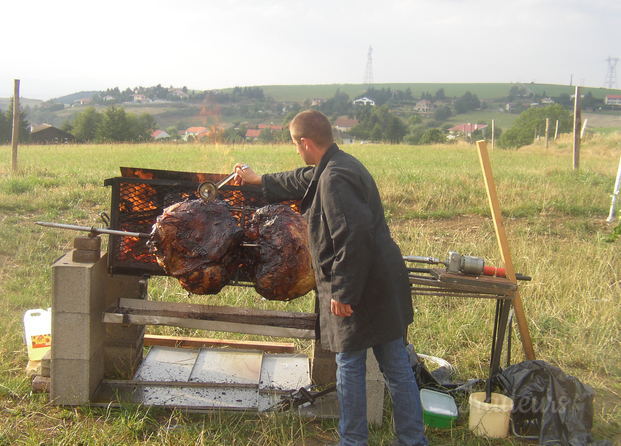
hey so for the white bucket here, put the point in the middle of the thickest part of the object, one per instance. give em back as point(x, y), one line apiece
point(38, 332)
point(489, 419)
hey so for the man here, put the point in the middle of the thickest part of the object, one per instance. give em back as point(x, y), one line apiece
point(362, 282)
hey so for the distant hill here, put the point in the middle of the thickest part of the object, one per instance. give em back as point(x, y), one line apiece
point(5, 103)
point(299, 93)
point(279, 98)
point(71, 98)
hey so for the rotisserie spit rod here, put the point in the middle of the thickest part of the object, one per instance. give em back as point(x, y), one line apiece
point(93, 230)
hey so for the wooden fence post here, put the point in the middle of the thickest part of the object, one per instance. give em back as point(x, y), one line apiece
point(556, 130)
point(503, 244)
point(576, 158)
point(15, 132)
point(493, 132)
point(547, 132)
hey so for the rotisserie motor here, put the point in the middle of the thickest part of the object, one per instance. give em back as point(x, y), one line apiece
point(198, 243)
point(281, 264)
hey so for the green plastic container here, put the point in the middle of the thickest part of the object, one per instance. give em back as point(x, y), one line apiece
point(439, 409)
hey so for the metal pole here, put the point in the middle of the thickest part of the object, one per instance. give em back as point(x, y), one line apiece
point(577, 119)
point(615, 195)
point(93, 229)
point(15, 132)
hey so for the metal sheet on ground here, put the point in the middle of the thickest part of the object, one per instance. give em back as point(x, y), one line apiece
point(284, 372)
point(212, 378)
point(201, 397)
point(167, 364)
point(227, 367)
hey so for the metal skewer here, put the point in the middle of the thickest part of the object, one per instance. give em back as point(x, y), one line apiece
point(94, 230)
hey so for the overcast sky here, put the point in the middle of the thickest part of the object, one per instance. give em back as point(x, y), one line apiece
point(61, 47)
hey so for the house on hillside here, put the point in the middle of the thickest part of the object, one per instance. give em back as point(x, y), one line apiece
point(82, 101)
point(423, 106)
point(344, 124)
point(364, 101)
point(253, 134)
point(612, 99)
point(194, 133)
point(178, 92)
point(48, 134)
point(159, 135)
point(317, 101)
point(465, 130)
point(140, 98)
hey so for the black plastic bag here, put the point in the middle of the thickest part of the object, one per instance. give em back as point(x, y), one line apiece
point(549, 405)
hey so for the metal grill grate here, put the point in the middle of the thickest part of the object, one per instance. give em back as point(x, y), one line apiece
point(141, 195)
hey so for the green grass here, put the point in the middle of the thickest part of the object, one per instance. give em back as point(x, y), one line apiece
point(435, 202)
point(300, 93)
point(502, 120)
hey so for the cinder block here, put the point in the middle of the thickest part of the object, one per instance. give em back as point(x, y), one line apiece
point(119, 285)
point(323, 370)
point(77, 335)
point(375, 390)
point(84, 256)
point(120, 335)
point(121, 362)
point(74, 381)
point(78, 332)
point(77, 286)
point(87, 243)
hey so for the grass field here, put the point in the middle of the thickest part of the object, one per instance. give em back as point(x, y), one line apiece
point(435, 202)
point(299, 93)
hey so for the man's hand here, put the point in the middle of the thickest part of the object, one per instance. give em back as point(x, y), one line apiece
point(247, 175)
point(339, 309)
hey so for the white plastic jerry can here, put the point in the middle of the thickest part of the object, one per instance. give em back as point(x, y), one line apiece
point(38, 332)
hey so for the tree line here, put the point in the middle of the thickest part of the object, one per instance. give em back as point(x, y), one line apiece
point(6, 126)
point(114, 124)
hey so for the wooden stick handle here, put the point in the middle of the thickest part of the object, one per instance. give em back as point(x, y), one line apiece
point(501, 237)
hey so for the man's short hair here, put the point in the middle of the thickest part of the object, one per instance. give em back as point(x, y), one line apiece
point(314, 125)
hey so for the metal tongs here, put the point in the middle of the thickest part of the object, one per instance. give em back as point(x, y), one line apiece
point(208, 190)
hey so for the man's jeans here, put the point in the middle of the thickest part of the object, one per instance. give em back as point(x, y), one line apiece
point(394, 363)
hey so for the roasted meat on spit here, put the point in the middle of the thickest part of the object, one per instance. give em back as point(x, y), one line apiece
point(198, 243)
point(281, 263)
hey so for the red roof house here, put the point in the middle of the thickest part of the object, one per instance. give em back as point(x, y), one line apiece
point(467, 128)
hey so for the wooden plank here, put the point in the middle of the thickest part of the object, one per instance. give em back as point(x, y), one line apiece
point(483, 283)
point(285, 319)
point(15, 130)
point(193, 342)
point(503, 244)
point(577, 119)
point(211, 325)
point(459, 283)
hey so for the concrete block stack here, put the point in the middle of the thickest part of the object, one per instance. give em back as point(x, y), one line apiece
point(84, 350)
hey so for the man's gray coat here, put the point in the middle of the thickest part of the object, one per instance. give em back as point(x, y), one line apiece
point(355, 260)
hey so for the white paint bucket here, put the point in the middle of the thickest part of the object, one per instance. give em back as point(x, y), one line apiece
point(489, 419)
